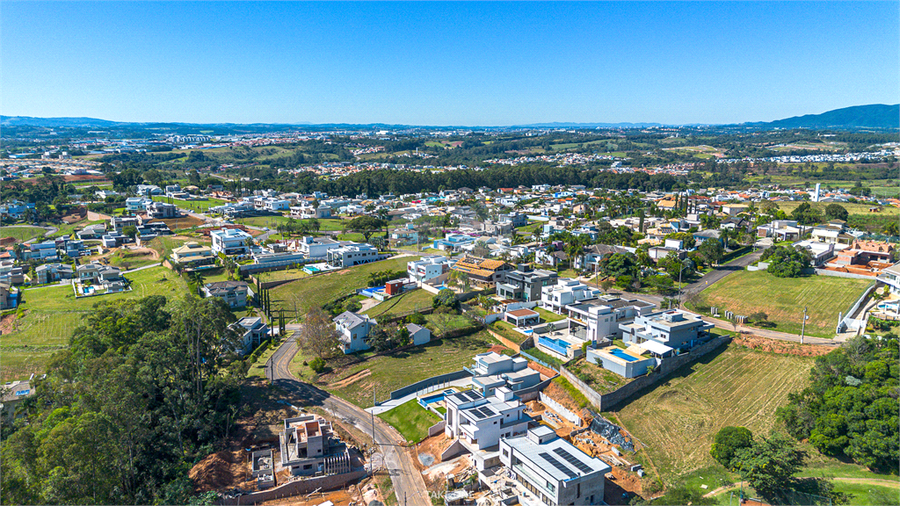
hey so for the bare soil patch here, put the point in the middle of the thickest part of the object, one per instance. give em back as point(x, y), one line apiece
point(353, 378)
point(783, 347)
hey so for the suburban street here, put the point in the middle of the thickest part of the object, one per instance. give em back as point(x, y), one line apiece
point(407, 480)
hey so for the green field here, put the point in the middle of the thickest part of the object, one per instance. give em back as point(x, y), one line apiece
point(783, 299)
point(323, 288)
point(127, 259)
point(193, 205)
point(331, 224)
point(411, 420)
point(354, 381)
point(414, 300)
point(54, 312)
point(855, 208)
point(23, 233)
point(506, 330)
point(678, 419)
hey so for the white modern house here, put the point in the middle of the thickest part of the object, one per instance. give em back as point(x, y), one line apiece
point(354, 331)
point(252, 331)
point(352, 254)
point(479, 422)
point(602, 316)
point(230, 241)
point(428, 268)
point(664, 331)
point(554, 470)
point(566, 291)
point(492, 371)
point(315, 247)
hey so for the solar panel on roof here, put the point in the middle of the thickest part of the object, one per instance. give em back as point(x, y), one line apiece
point(571, 459)
point(557, 464)
point(477, 413)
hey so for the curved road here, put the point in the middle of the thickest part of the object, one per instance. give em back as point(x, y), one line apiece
point(407, 480)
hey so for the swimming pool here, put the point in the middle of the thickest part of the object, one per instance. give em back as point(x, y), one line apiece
point(621, 354)
point(431, 399)
point(557, 345)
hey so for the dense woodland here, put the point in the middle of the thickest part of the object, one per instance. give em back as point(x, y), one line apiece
point(146, 389)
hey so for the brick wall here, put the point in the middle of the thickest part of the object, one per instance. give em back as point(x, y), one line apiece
point(297, 487)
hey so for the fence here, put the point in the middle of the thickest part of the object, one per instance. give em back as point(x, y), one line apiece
point(604, 402)
point(841, 274)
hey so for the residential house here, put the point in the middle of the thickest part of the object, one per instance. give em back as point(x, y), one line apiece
point(479, 422)
point(352, 254)
point(525, 285)
point(119, 223)
point(53, 272)
point(553, 470)
point(566, 291)
point(664, 331)
point(148, 190)
point(592, 255)
point(11, 395)
point(41, 251)
point(92, 232)
point(252, 331)
point(354, 331)
point(234, 293)
point(193, 255)
point(418, 334)
point(405, 236)
point(162, 211)
point(315, 247)
point(453, 242)
point(483, 272)
point(114, 240)
point(891, 278)
point(492, 370)
point(703, 235)
point(601, 317)
point(231, 241)
point(780, 230)
point(428, 268)
point(137, 204)
point(11, 273)
point(862, 252)
point(9, 296)
point(310, 446)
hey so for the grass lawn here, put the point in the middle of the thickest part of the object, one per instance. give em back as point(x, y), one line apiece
point(21, 234)
point(506, 330)
point(258, 368)
point(411, 420)
point(443, 324)
point(783, 299)
point(598, 378)
point(127, 259)
point(323, 288)
point(54, 312)
point(67, 229)
point(329, 224)
point(549, 316)
point(678, 419)
point(414, 300)
point(193, 205)
point(281, 275)
point(354, 381)
point(856, 208)
point(164, 244)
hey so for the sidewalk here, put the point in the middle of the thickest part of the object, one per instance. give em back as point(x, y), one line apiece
point(393, 403)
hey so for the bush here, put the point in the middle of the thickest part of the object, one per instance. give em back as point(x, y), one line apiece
point(417, 318)
point(317, 365)
point(728, 441)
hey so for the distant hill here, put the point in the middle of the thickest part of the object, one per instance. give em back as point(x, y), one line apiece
point(879, 116)
point(55, 122)
point(589, 125)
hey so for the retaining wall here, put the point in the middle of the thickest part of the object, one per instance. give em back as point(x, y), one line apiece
point(607, 401)
point(527, 343)
point(839, 274)
point(560, 409)
point(848, 321)
point(429, 382)
point(437, 428)
point(297, 487)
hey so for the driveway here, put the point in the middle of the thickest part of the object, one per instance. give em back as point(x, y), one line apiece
point(405, 477)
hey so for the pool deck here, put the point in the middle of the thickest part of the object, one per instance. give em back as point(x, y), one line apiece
point(393, 403)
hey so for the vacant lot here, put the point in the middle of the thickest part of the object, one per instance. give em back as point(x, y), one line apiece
point(52, 314)
point(414, 300)
point(353, 379)
point(411, 420)
point(321, 289)
point(598, 378)
point(194, 205)
point(856, 208)
point(22, 234)
point(330, 224)
point(678, 419)
point(783, 299)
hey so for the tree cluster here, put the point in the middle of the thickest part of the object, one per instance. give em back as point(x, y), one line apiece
point(785, 261)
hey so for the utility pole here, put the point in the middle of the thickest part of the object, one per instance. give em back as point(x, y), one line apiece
point(374, 445)
point(803, 325)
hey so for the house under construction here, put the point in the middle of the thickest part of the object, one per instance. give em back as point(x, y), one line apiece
point(310, 447)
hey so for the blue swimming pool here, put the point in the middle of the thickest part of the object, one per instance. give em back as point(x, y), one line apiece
point(557, 345)
point(431, 399)
point(621, 354)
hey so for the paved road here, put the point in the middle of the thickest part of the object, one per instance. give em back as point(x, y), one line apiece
point(406, 479)
point(720, 272)
point(49, 230)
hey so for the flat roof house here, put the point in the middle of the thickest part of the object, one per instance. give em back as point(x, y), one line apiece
point(230, 241)
point(554, 470)
point(479, 422)
point(566, 291)
point(525, 285)
point(428, 268)
point(664, 331)
point(252, 332)
point(493, 370)
point(310, 446)
point(352, 254)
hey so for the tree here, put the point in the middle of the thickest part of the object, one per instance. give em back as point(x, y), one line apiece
point(130, 231)
point(445, 298)
point(620, 264)
point(805, 214)
point(729, 440)
point(366, 225)
point(785, 261)
point(836, 212)
point(770, 463)
point(317, 334)
point(711, 251)
point(892, 228)
point(317, 364)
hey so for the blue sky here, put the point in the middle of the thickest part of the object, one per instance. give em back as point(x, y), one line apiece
point(446, 63)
